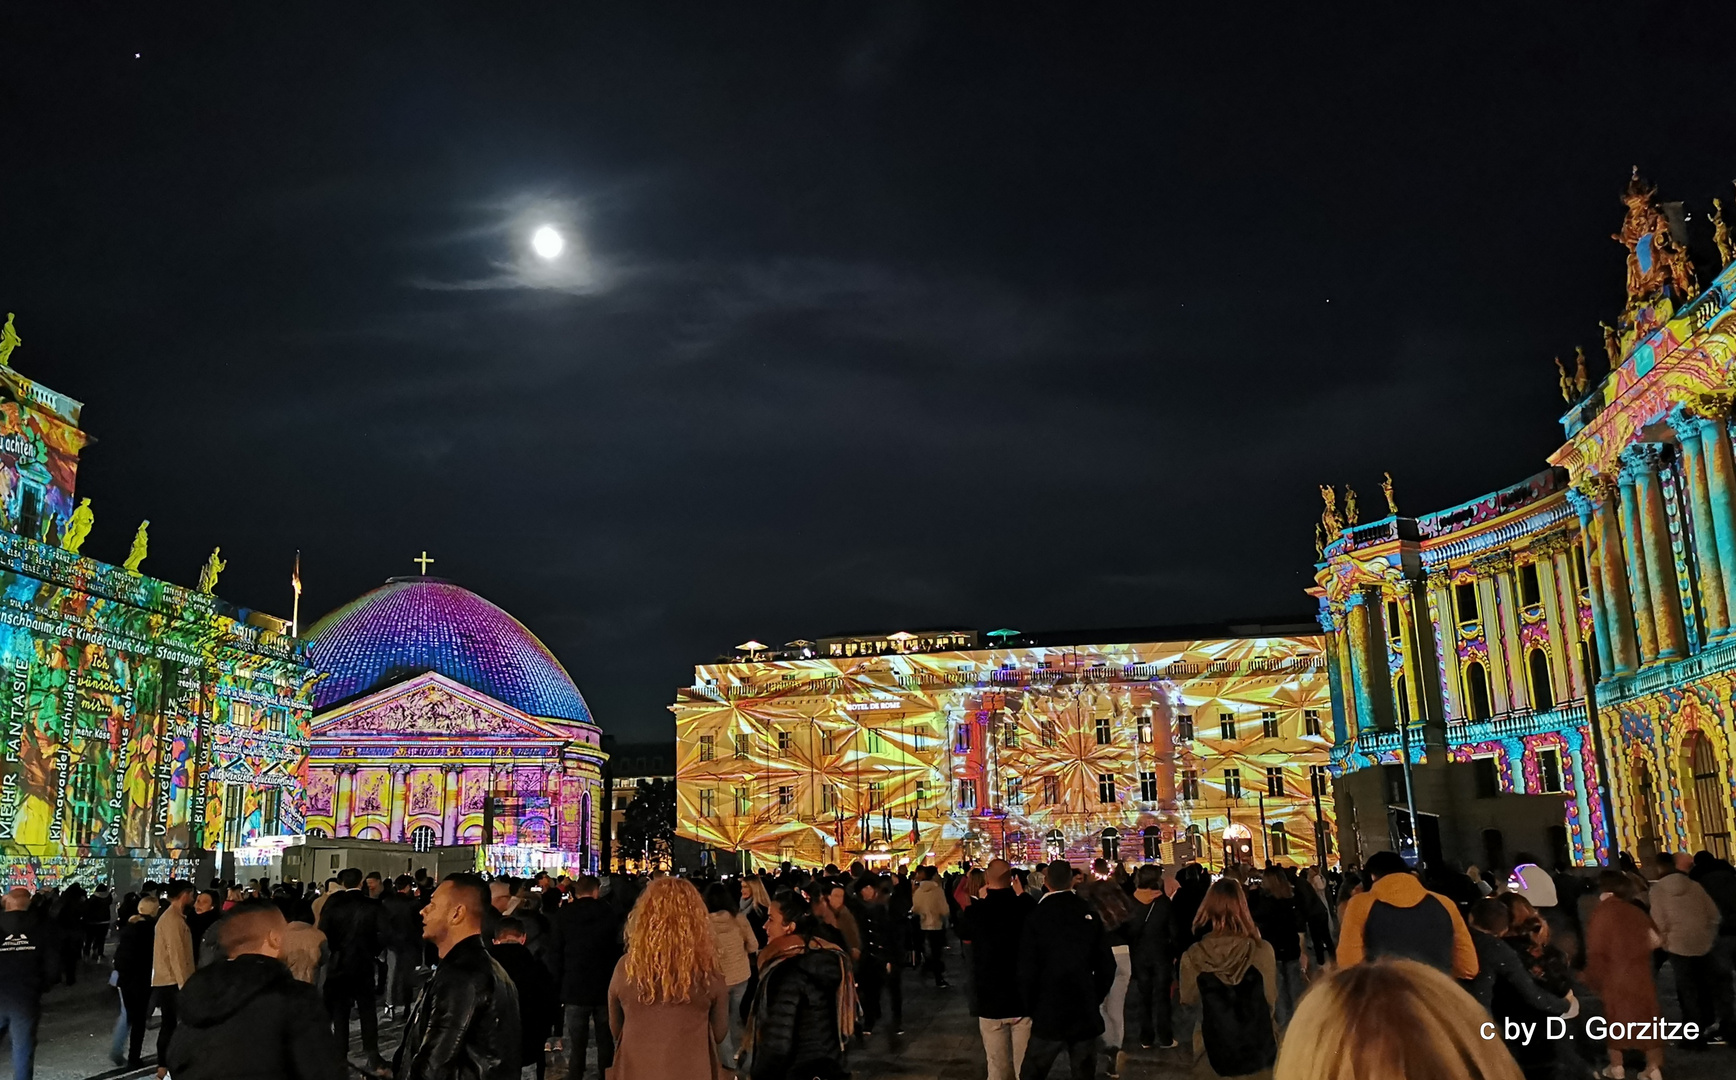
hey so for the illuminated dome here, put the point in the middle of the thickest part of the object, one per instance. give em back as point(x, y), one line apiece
point(412, 625)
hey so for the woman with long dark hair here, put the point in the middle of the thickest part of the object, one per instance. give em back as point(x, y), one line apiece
point(804, 1010)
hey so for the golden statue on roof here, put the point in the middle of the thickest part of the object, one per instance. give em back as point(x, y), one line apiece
point(1563, 380)
point(1386, 490)
point(1329, 517)
point(78, 527)
point(141, 540)
point(1721, 233)
point(208, 574)
point(1349, 507)
point(1581, 376)
point(1654, 259)
point(9, 340)
point(1611, 344)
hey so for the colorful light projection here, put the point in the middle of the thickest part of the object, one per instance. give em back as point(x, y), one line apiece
point(1032, 753)
point(415, 624)
point(144, 721)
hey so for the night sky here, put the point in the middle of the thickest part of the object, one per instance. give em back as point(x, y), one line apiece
point(874, 317)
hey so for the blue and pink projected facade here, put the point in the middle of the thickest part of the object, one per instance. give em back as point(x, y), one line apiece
point(443, 721)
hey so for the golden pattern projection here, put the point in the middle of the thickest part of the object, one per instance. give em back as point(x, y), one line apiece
point(1081, 751)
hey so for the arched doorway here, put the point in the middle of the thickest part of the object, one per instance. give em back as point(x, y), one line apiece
point(1711, 800)
point(1238, 845)
point(1153, 838)
point(1112, 844)
point(1645, 798)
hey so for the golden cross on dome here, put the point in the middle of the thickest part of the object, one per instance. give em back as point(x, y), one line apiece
point(424, 561)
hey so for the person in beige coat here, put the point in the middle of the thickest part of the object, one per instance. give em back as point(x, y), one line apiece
point(171, 964)
point(1687, 919)
point(667, 999)
point(928, 904)
point(736, 942)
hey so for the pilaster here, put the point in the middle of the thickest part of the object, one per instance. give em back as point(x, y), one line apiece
point(1660, 560)
point(1586, 508)
point(1714, 605)
point(1618, 602)
point(1638, 575)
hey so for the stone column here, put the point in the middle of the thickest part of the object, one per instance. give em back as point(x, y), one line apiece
point(1638, 578)
point(449, 807)
point(1660, 559)
point(1356, 615)
point(1720, 491)
point(557, 803)
point(1343, 721)
point(346, 796)
point(1618, 605)
point(1714, 604)
point(1600, 620)
point(399, 801)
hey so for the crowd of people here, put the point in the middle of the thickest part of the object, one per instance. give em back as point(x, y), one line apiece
point(1372, 972)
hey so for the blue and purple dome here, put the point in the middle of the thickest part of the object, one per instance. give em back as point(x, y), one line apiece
point(412, 625)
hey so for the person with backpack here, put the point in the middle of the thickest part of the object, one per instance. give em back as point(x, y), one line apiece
point(1153, 957)
point(1232, 976)
point(1066, 969)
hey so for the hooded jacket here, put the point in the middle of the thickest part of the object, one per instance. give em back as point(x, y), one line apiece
point(928, 903)
point(1398, 917)
point(249, 1019)
point(1229, 957)
point(1686, 915)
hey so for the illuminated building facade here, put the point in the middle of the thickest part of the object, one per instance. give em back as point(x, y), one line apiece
point(146, 723)
point(444, 721)
point(1617, 565)
point(1034, 748)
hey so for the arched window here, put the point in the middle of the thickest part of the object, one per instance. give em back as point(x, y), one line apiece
point(1542, 688)
point(368, 833)
point(1477, 691)
point(1153, 838)
point(422, 838)
point(317, 833)
point(1112, 843)
point(1710, 795)
point(1401, 701)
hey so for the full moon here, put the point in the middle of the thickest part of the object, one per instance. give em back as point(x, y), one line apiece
point(547, 242)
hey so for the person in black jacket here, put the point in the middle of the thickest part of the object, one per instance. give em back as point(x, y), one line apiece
point(538, 997)
point(247, 1015)
point(1153, 933)
point(1065, 972)
point(464, 1025)
point(350, 921)
point(995, 922)
point(134, 951)
point(881, 966)
point(29, 963)
point(401, 936)
point(98, 911)
point(1499, 965)
point(586, 944)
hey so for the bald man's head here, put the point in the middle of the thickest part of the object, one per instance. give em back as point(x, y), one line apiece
point(17, 900)
point(999, 874)
point(255, 926)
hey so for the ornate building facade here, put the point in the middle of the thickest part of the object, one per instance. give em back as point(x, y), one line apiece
point(147, 723)
point(1038, 747)
point(444, 721)
point(1616, 568)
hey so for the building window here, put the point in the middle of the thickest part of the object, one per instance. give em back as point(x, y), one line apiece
point(1051, 791)
point(828, 743)
point(1148, 786)
point(1226, 725)
point(1477, 691)
point(1103, 733)
point(919, 742)
point(1394, 622)
point(1549, 770)
point(1542, 686)
point(422, 839)
point(1278, 839)
point(874, 802)
point(1184, 727)
point(1319, 780)
point(1311, 722)
point(828, 799)
point(1530, 588)
point(1579, 572)
point(922, 793)
point(1486, 777)
point(783, 744)
point(1401, 698)
point(1010, 734)
point(1465, 600)
point(1153, 843)
point(786, 795)
point(741, 745)
point(1106, 787)
point(961, 741)
point(1047, 730)
point(1112, 844)
point(1711, 796)
point(1015, 797)
point(1233, 783)
point(1190, 785)
point(967, 794)
point(1145, 729)
point(1274, 780)
point(743, 802)
point(873, 741)
point(707, 747)
point(707, 802)
point(1269, 724)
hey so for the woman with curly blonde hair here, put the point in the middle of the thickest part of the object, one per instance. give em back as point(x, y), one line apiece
point(668, 1002)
